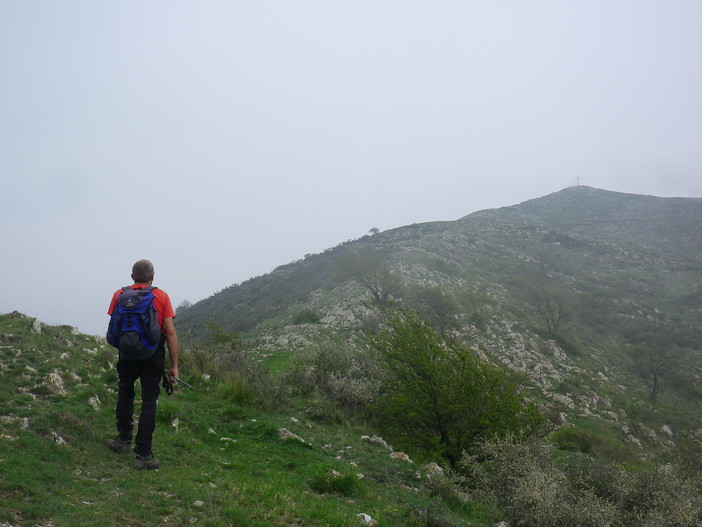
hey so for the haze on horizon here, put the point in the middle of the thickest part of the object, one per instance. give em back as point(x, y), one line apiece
point(222, 139)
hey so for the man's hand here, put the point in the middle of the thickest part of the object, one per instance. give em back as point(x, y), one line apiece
point(173, 374)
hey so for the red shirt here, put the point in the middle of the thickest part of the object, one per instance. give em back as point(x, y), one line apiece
point(162, 303)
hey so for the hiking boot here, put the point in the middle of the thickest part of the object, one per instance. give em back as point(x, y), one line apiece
point(121, 446)
point(146, 462)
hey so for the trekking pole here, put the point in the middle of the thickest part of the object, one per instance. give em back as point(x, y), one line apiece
point(169, 386)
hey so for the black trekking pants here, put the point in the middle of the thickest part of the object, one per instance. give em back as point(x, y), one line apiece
point(150, 373)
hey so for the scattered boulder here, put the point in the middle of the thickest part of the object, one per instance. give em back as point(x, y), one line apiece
point(633, 440)
point(36, 326)
point(401, 456)
point(366, 519)
point(55, 381)
point(59, 440)
point(95, 402)
point(376, 440)
point(285, 434)
point(434, 471)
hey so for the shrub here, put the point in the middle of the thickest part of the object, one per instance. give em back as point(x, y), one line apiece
point(524, 479)
point(305, 316)
point(574, 439)
point(441, 396)
point(349, 377)
point(539, 490)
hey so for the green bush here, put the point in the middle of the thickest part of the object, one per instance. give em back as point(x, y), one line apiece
point(305, 316)
point(574, 439)
point(441, 396)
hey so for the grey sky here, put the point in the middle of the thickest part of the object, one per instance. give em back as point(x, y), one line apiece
point(222, 139)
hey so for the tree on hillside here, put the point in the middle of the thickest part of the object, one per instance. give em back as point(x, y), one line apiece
point(374, 273)
point(549, 299)
point(185, 304)
point(436, 306)
point(477, 301)
point(441, 396)
point(654, 356)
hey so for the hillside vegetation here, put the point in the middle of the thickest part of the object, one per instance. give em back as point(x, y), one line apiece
point(593, 298)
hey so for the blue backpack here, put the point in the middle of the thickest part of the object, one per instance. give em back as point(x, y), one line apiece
point(134, 328)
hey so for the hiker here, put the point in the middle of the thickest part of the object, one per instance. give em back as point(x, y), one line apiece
point(132, 366)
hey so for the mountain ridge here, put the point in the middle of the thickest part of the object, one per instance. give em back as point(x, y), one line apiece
point(598, 209)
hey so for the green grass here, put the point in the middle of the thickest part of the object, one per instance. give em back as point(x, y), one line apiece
point(222, 461)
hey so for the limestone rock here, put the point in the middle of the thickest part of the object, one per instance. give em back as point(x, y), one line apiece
point(434, 471)
point(376, 440)
point(366, 519)
point(285, 434)
point(59, 440)
point(401, 456)
point(94, 402)
point(55, 381)
point(36, 326)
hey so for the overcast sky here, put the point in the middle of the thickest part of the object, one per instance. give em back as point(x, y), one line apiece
point(222, 139)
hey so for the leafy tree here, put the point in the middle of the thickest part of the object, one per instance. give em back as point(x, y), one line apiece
point(477, 301)
point(436, 306)
point(374, 273)
point(441, 396)
point(551, 301)
point(654, 357)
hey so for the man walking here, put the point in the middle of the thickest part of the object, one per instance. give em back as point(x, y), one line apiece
point(149, 372)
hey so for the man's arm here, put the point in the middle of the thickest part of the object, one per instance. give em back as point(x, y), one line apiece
point(172, 342)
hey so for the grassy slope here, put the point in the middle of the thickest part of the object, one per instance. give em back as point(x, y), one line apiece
point(223, 465)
